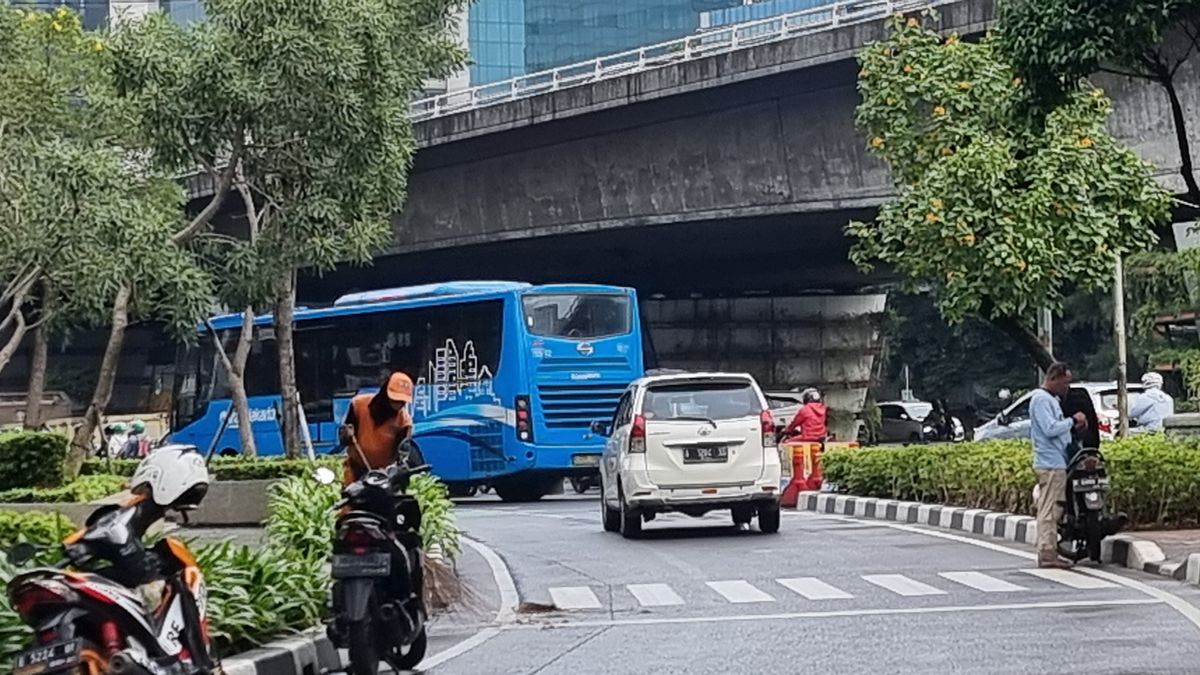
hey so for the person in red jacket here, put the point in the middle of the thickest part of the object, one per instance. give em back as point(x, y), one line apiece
point(809, 422)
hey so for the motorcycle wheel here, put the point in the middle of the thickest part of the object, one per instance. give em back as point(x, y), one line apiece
point(415, 654)
point(364, 655)
point(1095, 534)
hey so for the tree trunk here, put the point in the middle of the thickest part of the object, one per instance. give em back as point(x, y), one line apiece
point(237, 384)
point(20, 328)
point(285, 306)
point(81, 444)
point(37, 375)
point(1186, 166)
point(1026, 339)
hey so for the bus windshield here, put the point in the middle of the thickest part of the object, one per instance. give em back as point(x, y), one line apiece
point(580, 316)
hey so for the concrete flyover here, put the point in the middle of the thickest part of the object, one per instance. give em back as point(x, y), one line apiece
point(720, 174)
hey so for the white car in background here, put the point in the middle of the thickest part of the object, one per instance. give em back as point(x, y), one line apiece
point(690, 443)
point(1013, 421)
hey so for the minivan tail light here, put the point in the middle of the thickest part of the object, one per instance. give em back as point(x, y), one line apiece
point(768, 429)
point(637, 435)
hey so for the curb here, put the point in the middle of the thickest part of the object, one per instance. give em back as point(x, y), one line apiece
point(1120, 549)
point(308, 654)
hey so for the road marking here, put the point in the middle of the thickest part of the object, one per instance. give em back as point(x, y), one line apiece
point(739, 591)
point(1185, 608)
point(833, 614)
point(981, 582)
point(901, 585)
point(574, 597)
point(506, 614)
point(814, 589)
point(1069, 578)
point(655, 595)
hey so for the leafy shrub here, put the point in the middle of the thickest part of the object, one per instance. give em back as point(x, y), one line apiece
point(300, 515)
point(257, 594)
point(14, 634)
point(438, 528)
point(1155, 478)
point(83, 489)
point(29, 459)
point(35, 527)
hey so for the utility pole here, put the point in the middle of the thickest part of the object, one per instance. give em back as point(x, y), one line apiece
point(1119, 334)
point(1045, 328)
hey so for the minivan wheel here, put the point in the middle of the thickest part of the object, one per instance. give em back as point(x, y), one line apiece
point(768, 518)
point(629, 521)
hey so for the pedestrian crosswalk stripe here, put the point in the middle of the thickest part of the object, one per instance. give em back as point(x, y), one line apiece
point(574, 597)
point(655, 595)
point(739, 591)
point(981, 582)
point(814, 589)
point(901, 585)
point(1069, 578)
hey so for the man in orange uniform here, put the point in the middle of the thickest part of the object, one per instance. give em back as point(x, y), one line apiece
point(380, 424)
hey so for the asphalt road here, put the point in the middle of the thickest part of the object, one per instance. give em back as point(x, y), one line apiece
point(827, 595)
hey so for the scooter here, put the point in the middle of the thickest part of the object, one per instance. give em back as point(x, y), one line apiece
point(378, 589)
point(1085, 524)
point(87, 617)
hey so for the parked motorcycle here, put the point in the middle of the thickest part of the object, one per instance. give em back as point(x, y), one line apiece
point(90, 614)
point(378, 590)
point(1085, 523)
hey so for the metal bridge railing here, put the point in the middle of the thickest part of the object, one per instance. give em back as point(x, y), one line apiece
point(699, 45)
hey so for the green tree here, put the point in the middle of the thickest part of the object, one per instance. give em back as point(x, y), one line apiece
point(1054, 44)
point(86, 226)
point(995, 215)
point(302, 105)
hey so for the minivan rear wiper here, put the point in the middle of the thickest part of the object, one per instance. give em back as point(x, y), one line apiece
point(695, 419)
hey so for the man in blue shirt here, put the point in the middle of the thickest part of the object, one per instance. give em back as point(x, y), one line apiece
point(1051, 436)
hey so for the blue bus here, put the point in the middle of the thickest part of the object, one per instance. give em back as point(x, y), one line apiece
point(509, 376)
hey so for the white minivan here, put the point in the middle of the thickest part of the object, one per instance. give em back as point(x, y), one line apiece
point(691, 443)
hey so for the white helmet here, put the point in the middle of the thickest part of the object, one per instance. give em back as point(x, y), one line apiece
point(176, 476)
point(1152, 381)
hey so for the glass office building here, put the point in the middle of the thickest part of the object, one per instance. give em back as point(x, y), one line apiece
point(763, 9)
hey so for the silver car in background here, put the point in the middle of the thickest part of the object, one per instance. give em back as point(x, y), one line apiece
point(1013, 421)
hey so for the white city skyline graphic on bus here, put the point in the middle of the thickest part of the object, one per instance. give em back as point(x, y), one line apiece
point(454, 376)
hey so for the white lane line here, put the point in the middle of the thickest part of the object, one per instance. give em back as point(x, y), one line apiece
point(981, 582)
point(1069, 578)
point(506, 614)
point(837, 614)
point(739, 591)
point(1185, 608)
point(574, 597)
point(655, 595)
point(814, 589)
point(901, 585)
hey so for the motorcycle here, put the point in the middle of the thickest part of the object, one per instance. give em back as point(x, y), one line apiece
point(1085, 524)
point(378, 589)
point(89, 617)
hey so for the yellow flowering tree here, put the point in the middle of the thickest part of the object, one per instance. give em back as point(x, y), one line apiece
point(996, 213)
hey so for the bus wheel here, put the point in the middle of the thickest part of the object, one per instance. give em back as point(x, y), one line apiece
point(520, 492)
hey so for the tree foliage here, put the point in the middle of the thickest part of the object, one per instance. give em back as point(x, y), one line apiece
point(79, 213)
point(1056, 43)
point(995, 215)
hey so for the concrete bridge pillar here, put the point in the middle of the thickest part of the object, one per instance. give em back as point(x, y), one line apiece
point(827, 341)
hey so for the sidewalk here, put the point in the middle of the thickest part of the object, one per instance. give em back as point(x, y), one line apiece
point(1175, 544)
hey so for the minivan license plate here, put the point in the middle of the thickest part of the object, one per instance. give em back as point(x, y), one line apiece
point(705, 454)
point(49, 659)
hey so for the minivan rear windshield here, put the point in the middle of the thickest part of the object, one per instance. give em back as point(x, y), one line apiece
point(701, 401)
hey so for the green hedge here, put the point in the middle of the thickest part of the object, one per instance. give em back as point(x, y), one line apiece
point(1155, 478)
point(32, 460)
point(83, 489)
point(226, 468)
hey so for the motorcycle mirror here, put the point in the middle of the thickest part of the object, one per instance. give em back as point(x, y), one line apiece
point(324, 475)
point(21, 553)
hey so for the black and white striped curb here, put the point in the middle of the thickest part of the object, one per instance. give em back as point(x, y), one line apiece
point(1122, 549)
point(308, 654)
point(1008, 526)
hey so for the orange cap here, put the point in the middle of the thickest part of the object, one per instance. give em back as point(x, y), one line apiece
point(400, 388)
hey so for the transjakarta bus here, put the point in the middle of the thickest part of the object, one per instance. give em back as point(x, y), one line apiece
point(509, 376)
